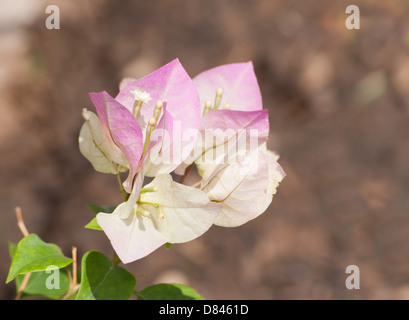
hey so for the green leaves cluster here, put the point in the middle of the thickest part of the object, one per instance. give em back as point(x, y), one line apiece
point(51, 274)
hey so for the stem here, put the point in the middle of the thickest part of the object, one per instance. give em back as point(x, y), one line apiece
point(23, 286)
point(124, 194)
point(73, 286)
point(74, 266)
point(187, 171)
point(115, 259)
point(24, 231)
point(20, 222)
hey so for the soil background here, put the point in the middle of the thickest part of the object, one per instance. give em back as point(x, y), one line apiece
point(338, 103)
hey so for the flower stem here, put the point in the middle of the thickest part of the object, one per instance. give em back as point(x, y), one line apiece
point(20, 222)
point(23, 286)
point(73, 286)
point(115, 259)
point(187, 171)
point(124, 194)
point(21, 225)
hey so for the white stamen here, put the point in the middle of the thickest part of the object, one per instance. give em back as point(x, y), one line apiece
point(142, 96)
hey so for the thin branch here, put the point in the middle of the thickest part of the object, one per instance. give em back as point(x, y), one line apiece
point(21, 225)
point(187, 171)
point(73, 286)
point(23, 286)
point(20, 222)
point(124, 194)
point(74, 266)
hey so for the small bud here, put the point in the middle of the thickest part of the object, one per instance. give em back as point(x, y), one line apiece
point(85, 114)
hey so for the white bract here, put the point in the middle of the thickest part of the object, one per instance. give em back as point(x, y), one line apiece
point(174, 213)
point(94, 144)
point(244, 187)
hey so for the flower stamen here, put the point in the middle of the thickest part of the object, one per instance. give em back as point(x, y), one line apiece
point(218, 98)
point(150, 189)
point(207, 108)
point(158, 110)
point(157, 206)
point(149, 130)
point(141, 211)
point(136, 108)
point(140, 98)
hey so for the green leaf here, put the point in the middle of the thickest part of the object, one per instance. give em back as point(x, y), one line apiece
point(33, 255)
point(97, 209)
point(93, 224)
point(168, 291)
point(42, 283)
point(168, 245)
point(12, 249)
point(103, 280)
point(52, 284)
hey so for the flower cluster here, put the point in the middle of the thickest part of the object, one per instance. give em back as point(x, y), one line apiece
point(167, 122)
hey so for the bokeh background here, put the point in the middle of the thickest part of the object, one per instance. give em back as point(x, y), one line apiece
point(338, 104)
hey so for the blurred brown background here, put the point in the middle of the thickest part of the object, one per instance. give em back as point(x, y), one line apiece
point(338, 103)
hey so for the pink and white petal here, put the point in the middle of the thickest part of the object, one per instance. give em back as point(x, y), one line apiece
point(98, 148)
point(123, 128)
point(225, 133)
point(172, 84)
point(239, 83)
point(132, 238)
point(232, 122)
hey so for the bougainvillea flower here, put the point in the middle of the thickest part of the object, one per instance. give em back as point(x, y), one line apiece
point(166, 121)
point(148, 121)
point(231, 106)
point(241, 176)
point(172, 84)
point(164, 212)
